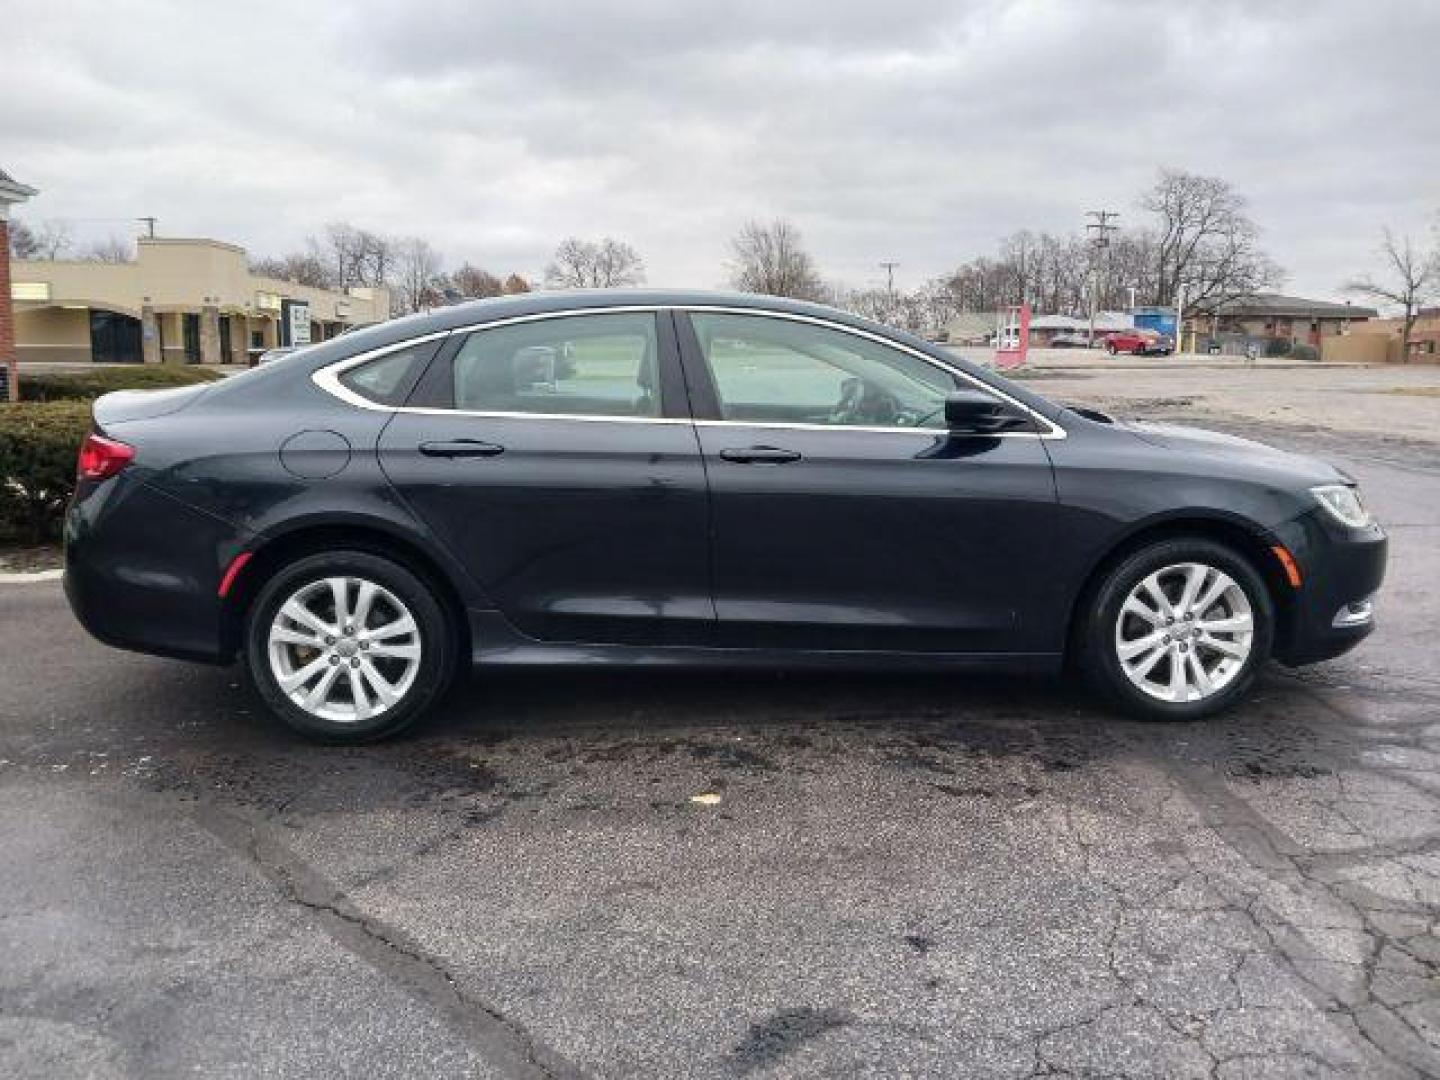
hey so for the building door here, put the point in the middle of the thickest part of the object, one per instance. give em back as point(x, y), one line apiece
point(114, 338)
point(225, 357)
point(190, 327)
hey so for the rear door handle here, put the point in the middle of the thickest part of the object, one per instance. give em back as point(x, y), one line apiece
point(760, 455)
point(461, 448)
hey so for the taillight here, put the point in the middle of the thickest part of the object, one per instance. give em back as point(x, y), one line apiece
point(102, 458)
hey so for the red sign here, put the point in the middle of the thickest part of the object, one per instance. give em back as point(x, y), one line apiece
point(1012, 337)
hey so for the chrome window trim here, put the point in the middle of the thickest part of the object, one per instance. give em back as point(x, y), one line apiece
point(328, 378)
point(1051, 430)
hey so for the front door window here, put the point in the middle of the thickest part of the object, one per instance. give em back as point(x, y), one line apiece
point(769, 370)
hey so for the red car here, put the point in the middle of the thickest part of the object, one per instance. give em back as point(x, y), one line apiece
point(1139, 343)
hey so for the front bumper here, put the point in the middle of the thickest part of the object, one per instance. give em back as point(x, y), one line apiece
point(1341, 570)
point(141, 570)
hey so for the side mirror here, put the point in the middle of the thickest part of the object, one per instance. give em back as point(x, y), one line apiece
point(971, 412)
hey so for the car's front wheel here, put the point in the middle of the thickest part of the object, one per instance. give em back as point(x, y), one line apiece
point(348, 646)
point(1179, 629)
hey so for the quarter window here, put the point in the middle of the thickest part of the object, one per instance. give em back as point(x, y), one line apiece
point(769, 370)
point(579, 365)
point(387, 379)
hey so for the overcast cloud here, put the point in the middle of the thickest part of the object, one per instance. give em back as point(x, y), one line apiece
point(906, 129)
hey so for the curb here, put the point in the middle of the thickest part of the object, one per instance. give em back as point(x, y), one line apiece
point(29, 578)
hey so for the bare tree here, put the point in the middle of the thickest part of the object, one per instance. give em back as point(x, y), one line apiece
point(417, 270)
point(769, 259)
point(585, 264)
point(112, 249)
point(1411, 278)
point(52, 240)
point(515, 284)
point(341, 248)
point(23, 242)
point(471, 281)
point(1205, 239)
point(300, 267)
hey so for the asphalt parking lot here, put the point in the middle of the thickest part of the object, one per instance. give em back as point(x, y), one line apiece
point(890, 876)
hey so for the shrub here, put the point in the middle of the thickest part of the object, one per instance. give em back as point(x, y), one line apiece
point(1277, 346)
point(85, 385)
point(1304, 351)
point(38, 445)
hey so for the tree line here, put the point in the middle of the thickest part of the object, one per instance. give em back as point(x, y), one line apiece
point(344, 256)
point(54, 239)
point(1192, 232)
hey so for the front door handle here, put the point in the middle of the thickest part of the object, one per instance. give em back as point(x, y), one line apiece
point(461, 448)
point(760, 455)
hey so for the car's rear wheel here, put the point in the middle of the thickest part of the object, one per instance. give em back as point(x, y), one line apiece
point(1178, 630)
point(348, 646)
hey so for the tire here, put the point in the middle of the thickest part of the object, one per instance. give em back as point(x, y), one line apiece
point(1124, 613)
point(378, 653)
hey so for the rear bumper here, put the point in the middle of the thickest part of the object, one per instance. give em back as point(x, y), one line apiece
point(141, 571)
point(1340, 567)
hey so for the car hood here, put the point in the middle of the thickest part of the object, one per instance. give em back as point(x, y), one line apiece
point(1219, 447)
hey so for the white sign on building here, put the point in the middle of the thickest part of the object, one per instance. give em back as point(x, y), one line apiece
point(299, 322)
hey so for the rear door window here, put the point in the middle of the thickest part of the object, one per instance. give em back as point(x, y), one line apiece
point(576, 365)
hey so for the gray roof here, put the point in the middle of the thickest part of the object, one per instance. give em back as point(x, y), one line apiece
point(11, 187)
point(1297, 306)
point(1107, 321)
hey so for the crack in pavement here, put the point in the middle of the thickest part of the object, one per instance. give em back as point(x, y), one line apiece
point(499, 1039)
point(1285, 864)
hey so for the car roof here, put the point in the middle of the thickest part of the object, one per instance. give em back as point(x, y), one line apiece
point(474, 312)
point(479, 312)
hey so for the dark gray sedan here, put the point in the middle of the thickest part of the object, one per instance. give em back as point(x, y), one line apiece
point(691, 478)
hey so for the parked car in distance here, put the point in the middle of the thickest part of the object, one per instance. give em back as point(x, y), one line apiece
point(1070, 341)
point(713, 480)
point(269, 356)
point(1139, 343)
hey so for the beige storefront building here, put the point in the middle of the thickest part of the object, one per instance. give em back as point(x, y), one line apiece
point(178, 301)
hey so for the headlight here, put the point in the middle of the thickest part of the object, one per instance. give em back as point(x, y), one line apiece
point(1343, 502)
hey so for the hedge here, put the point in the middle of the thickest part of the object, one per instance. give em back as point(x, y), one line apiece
point(38, 446)
point(85, 385)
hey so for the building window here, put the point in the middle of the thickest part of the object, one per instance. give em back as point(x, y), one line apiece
point(190, 332)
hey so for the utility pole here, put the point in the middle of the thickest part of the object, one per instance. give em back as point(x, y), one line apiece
point(149, 223)
point(1100, 229)
point(1180, 318)
point(890, 280)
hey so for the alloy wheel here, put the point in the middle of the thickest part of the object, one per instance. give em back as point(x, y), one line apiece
point(344, 649)
point(1184, 632)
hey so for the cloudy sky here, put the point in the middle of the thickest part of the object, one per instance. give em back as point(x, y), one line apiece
point(913, 130)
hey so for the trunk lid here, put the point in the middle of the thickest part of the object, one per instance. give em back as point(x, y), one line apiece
point(122, 406)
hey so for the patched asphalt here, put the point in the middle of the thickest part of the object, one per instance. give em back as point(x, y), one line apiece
point(894, 875)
